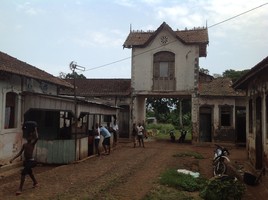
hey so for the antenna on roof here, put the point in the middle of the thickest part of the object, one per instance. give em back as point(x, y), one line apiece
point(206, 24)
point(130, 28)
point(73, 66)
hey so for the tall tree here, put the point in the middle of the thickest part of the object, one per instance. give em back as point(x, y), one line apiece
point(233, 74)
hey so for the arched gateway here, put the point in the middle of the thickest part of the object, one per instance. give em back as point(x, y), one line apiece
point(165, 64)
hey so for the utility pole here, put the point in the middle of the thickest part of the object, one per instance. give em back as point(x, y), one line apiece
point(73, 66)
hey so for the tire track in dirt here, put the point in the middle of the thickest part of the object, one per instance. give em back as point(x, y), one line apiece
point(128, 173)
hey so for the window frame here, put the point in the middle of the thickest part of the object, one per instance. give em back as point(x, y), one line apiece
point(225, 110)
point(167, 58)
point(11, 110)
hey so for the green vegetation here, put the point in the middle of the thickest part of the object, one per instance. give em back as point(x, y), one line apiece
point(161, 128)
point(181, 181)
point(170, 110)
point(189, 154)
point(162, 131)
point(178, 186)
point(162, 192)
point(228, 189)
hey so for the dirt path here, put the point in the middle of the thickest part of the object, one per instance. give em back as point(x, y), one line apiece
point(127, 173)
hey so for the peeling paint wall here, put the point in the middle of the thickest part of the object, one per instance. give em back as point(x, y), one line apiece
point(186, 66)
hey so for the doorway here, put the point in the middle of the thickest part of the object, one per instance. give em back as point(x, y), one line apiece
point(258, 140)
point(124, 122)
point(240, 126)
point(205, 123)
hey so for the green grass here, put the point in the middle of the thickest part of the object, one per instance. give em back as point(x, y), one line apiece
point(163, 130)
point(181, 181)
point(189, 154)
point(162, 192)
point(178, 186)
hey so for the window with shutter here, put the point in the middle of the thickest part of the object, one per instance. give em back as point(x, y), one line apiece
point(163, 71)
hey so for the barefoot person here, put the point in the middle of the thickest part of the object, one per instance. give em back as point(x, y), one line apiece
point(29, 161)
point(106, 139)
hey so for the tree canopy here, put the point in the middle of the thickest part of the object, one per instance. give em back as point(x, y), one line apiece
point(63, 75)
point(233, 74)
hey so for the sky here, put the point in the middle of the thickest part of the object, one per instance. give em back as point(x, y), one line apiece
point(50, 34)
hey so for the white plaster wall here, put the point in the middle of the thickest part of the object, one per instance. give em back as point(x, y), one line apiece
point(33, 85)
point(11, 140)
point(142, 63)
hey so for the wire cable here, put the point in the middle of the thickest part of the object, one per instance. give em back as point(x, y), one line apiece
point(216, 24)
point(237, 15)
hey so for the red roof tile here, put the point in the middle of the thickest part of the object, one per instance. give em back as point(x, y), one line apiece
point(196, 36)
point(100, 87)
point(12, 65)
point(218, 87)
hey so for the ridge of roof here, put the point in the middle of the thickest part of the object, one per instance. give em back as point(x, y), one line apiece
point(243, 80)
point(13, 65)
point(198, 36)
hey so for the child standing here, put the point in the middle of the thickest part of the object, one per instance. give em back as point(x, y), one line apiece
point(140, 134)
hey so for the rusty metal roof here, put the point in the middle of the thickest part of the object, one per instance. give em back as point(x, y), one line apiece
point(12, 65)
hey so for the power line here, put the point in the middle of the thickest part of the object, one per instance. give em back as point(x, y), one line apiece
point(216, 24)
point(237, 15)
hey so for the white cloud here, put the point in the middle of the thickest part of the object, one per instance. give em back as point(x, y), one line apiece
point(28, 9)
point(112, 38)
point(127, 3)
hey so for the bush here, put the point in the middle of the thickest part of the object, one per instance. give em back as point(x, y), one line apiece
point(181, 181)
point(223, 188)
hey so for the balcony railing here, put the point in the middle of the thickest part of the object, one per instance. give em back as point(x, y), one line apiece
point(164, 84)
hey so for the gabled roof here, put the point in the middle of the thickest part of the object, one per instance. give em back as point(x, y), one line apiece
point(260, 69)
point(12, 65)
point(197, 36)
point(100, 87)
point(218, 87)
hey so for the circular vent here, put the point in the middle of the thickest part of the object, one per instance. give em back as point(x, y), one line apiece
point(164, 39)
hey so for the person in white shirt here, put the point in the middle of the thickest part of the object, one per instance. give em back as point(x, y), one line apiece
point(140, 134)
point(115, 130)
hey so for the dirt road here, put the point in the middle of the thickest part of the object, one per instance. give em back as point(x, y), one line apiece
point(127, 173)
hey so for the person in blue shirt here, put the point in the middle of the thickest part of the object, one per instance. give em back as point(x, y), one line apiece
point(106, 141)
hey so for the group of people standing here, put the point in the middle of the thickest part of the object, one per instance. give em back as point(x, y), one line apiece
point(106, 134)
point(138, 133)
